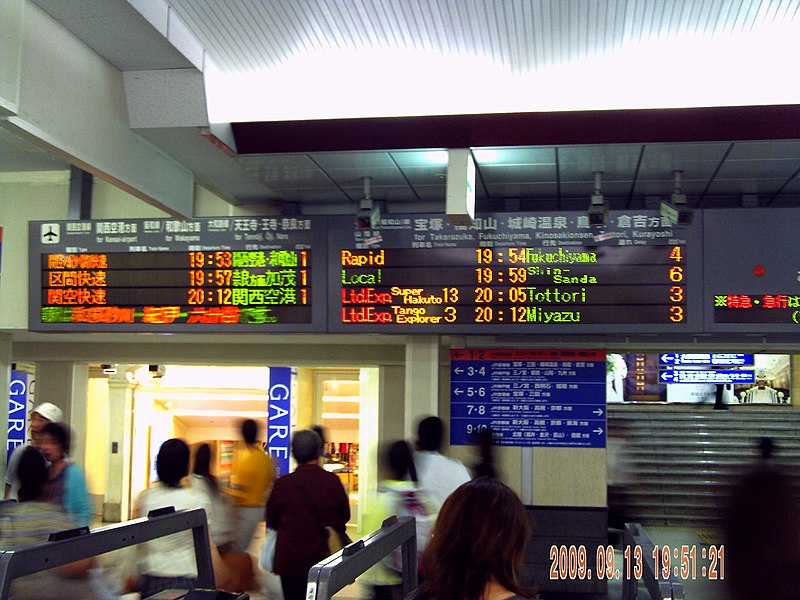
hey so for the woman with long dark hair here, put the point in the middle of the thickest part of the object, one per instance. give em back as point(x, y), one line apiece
point(220, 512)
point(67, 483)
point(478, 545)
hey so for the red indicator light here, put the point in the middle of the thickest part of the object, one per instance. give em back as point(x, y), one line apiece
point(759, 270)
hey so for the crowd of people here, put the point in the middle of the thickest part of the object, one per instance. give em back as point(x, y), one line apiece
point(307, 509)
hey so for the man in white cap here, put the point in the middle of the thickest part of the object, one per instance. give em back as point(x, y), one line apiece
point(43, 414)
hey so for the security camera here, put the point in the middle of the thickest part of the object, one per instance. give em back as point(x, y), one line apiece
point(157, 371)
point(598, 211)
point(368, 215)
point(676, 211)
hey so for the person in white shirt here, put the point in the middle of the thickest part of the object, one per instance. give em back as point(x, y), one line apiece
point(437, 474)
point(169, 562)
point(42, 415)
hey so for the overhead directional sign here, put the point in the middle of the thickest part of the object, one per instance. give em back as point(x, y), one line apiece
point(706, 376)
point(529, 397)
point(707, 359)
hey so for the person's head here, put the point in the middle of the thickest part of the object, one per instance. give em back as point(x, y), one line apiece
point(32, 473)
point(202, 464)
point(249, 431)
point(485, 441)
point(480, 535)
point(766, 448)
point(305, 446)
point(320, 431)
point(400, 461)
point(430, 432)
point(172, 462)
point(54, 441)
point(202, 460)
point(43, 414)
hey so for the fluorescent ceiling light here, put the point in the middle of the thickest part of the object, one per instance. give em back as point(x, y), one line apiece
point(220, 413)
point(353, 399)
point(335, 415)
point(486, 155)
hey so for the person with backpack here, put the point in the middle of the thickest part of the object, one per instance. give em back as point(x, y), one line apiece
point(399, 495)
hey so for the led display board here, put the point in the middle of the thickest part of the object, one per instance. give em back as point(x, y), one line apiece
point(752, 270)
point(221, 274)
point(515, 273)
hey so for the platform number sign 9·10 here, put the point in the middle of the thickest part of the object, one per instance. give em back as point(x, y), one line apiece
point(676, 290)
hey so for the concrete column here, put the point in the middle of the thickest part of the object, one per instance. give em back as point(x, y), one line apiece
point(5, 382)
point(422, 380)
point(116, 503)
point(65, 384)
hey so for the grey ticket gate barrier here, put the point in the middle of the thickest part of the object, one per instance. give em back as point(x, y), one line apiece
point(78, 544)
point(661, 589)
point(341, 568)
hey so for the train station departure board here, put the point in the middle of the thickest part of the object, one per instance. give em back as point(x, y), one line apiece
point(515, 273)
point(168, 275)
point(752, 270)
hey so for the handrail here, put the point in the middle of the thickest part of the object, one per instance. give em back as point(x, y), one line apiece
point(671, 588)
point(86, 544)
point(341, 568)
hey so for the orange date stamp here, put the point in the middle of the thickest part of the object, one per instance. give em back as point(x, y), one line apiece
point(685, 562)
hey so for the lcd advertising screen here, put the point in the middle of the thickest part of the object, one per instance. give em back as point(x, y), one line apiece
point(692, 378)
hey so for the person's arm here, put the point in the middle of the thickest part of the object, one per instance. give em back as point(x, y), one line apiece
point(342, 505)
point(11, 470)
point(76, 496)
point(272, 513)
point(76, 570)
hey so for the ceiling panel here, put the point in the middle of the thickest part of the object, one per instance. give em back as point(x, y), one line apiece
point(759, 169)
point(425, 176)
point(535, 173)
point(578, 163)
point(356, 174)
point(698, 159)
point(523, 190)
point(348, 160)
point(764, 187)
point(316, 195)
point(515, 156)
point(772, 149)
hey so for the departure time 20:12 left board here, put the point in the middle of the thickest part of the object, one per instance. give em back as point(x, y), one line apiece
point(223, 274)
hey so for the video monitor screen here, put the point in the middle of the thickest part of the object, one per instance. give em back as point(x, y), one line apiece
point(693, 378)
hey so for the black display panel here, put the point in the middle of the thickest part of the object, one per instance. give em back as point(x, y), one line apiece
point(224, 274)
point(752, 270)
point(515, 273)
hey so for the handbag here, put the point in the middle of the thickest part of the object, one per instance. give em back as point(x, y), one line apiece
point(336, 539)
point(266, 558)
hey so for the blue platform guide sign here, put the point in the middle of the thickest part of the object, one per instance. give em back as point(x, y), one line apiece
point(529, 397)
point(707, 376)
point(707, 359)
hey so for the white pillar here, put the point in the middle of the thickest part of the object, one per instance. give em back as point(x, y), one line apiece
point(65, 384)
point(116, 503)
point(5, 382)
point(422, 380)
